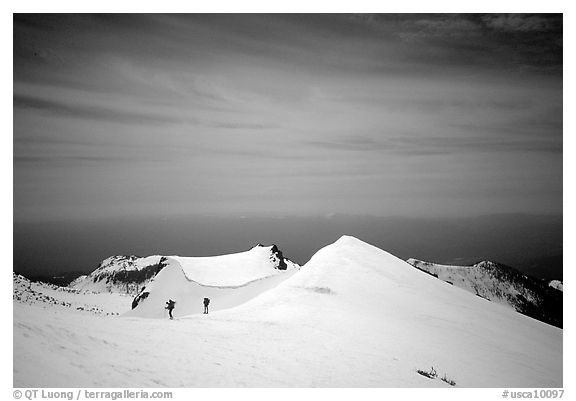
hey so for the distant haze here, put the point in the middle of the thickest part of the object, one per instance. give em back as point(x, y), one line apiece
point(531, 243)
point(204, 134)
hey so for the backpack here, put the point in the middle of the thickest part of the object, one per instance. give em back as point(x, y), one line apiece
point(206, 301)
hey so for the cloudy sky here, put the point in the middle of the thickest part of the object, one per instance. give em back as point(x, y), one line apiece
point(274, 115)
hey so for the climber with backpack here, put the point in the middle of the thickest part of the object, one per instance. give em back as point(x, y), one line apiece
point(206, 303)
point(170, 306)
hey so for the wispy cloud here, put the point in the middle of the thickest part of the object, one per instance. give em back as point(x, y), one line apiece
point(218, 111)
point(90, 112)
point(46, 159)
point(432, 144)
point(521, 22)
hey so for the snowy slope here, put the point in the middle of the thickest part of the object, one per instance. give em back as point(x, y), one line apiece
point(503, 285)
point(237, 268)
point(353, 316)
point(48, 296)
point(228, 280)
point(77, 281)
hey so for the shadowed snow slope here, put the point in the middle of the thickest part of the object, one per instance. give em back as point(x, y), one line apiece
point(353, 316)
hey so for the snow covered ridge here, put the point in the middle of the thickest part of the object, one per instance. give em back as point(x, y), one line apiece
point(236, 269)
point(228, 280)
point(503, 285)
point(130, 274)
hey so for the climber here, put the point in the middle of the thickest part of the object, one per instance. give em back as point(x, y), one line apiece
point(170, 305)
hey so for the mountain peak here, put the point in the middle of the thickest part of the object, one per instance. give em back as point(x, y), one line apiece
point(486, 263)
point(261, 245)
point(120, 273)
point(347, 240)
